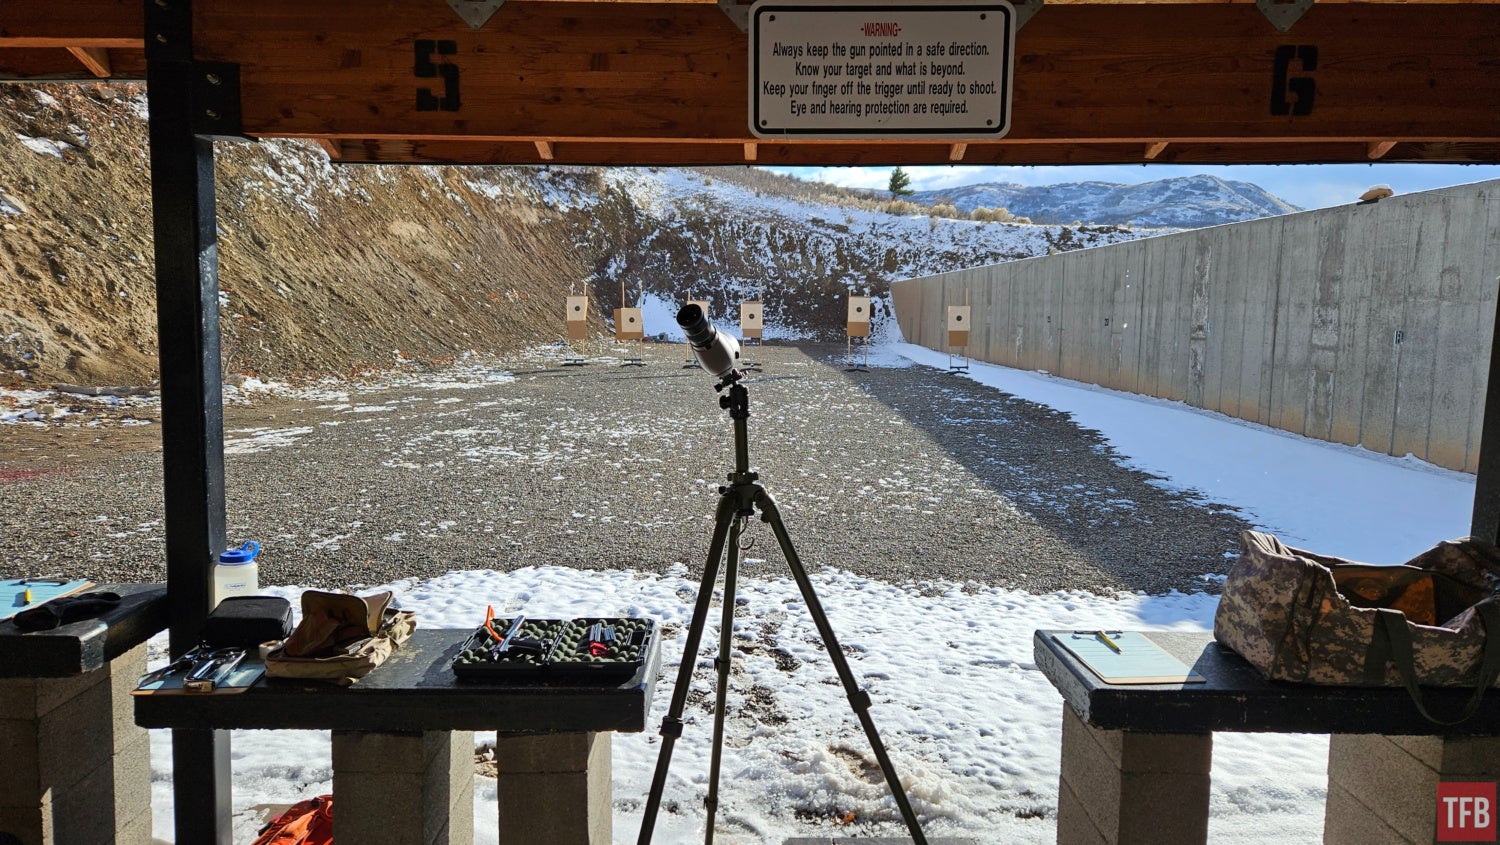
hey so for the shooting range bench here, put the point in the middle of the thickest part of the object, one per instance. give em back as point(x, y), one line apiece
point(1135, 758)
point(73, 765)
point(403, 763)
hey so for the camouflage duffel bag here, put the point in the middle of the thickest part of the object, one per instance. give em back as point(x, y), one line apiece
point(1300, 616)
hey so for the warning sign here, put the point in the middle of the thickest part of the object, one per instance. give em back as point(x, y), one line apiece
point(865, 70)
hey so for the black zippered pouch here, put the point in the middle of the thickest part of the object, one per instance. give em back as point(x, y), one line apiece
point(248, 621)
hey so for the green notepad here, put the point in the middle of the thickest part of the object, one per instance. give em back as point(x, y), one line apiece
point(1137, 660)
point(13, 593)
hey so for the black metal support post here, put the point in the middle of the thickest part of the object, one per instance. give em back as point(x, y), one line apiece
point(1485, 524)
point(187, 307)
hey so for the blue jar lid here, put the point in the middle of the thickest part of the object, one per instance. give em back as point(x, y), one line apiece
point(241, 556)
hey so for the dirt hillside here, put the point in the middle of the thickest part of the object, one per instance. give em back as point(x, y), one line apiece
point(324, 270)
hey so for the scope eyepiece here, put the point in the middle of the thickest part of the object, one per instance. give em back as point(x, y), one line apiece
point(718, 353)
point(700, 332)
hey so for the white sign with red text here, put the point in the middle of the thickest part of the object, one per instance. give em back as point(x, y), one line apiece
point(867, 70)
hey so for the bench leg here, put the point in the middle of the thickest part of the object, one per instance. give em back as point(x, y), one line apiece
point(1383, 789)
point(73, 765)
point(1125, 788)
point(554, 789)
point(403, 788)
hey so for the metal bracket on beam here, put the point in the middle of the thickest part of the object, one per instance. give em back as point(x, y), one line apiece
point(169, 30)
point(1025, 9)
point(476, 13)
point(739, 13)
point(1283, 13)
point(216, 101)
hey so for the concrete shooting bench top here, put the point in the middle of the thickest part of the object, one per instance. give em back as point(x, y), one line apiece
point(414, 690)
point(1136, 758)
point(89, 644)
point(403, 747)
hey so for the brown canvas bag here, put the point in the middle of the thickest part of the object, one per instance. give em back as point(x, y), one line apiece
point(340, 638)
point(1300, 616)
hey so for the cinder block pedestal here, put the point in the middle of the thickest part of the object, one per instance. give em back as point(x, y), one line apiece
point(403, 788)
point(1383, 789)
point(73, 765)
point(554, 789)
point(1124, 788)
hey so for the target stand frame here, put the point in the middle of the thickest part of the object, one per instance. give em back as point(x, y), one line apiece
point(636, 332)
point(576, 317)
point(959, 320)
point(857, 325)
point(752, 325)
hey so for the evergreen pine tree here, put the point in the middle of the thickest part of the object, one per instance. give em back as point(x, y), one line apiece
point(900, 183)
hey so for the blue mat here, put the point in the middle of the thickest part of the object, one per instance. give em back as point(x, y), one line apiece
point(14, 593)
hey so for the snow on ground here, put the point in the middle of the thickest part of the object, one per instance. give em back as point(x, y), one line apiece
point(1333, 499)
point(972, 726)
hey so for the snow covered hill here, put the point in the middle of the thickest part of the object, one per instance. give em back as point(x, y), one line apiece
point(1187, 202)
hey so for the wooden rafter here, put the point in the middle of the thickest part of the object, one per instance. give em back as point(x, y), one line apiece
point(96, 59)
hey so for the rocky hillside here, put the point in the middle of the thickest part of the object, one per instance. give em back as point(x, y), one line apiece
point(326, 270)
point(323, 270)
point(1187, 202)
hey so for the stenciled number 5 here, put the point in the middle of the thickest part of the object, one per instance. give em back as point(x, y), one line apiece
point(426, 69)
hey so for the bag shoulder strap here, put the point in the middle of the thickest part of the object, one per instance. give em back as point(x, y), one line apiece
point(1398, 635)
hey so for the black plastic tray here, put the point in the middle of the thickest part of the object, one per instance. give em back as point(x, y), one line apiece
point(520, 668)
point(570, 661)
point(566, 659)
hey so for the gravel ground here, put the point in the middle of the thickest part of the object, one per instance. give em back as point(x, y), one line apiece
point(903, 474)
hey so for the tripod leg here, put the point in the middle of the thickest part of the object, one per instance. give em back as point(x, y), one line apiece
point(726, 634)
point(859, 700)
point(671, 725)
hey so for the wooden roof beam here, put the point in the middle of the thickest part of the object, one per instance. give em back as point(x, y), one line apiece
point(544, 150)
point(1155, 149)
point(678, 73)
point(1378, 149)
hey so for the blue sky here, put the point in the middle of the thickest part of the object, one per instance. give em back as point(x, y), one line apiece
point(1305, 185)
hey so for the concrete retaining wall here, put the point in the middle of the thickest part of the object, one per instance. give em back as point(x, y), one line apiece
point(1363, 324)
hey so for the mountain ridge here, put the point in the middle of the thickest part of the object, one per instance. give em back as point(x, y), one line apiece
point(1181, 202)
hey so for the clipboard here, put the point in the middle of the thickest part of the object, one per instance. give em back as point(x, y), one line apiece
point(241, 678)
point(13, 592)
point(1127, 657)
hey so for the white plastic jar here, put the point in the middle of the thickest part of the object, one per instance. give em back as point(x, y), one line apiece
point(236, 573)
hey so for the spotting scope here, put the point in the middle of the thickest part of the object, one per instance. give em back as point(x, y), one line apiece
point(717, 352)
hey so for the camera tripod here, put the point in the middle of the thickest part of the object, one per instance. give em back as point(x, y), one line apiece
point(737, 502)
